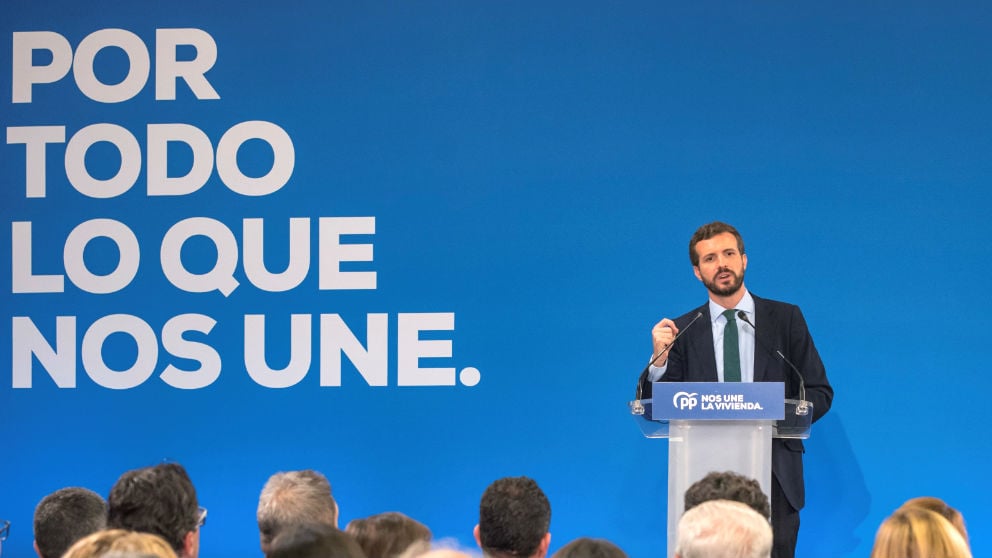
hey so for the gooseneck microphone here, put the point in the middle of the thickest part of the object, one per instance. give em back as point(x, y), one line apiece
point(803, 407)
point(636, 407)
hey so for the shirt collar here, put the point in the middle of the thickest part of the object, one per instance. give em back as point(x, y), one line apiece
point(746, 304)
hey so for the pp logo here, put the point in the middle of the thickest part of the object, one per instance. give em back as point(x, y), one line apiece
point(685, 400)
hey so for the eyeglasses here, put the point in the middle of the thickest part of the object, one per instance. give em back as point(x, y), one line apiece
point(201, 517)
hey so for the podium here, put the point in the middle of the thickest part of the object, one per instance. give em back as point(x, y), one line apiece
point(715, 426)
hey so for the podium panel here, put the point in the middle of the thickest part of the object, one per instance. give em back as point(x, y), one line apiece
point(697, 448)
point(716, 427)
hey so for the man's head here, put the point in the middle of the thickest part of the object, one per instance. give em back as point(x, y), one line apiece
point(390, 534)
point(159, 500)
point(723, 529)
point(514, 517)
point(313, 540)
point(294, 498)
point(728, 486)
point(716, 251)
point(65, 516)
point(590, 548)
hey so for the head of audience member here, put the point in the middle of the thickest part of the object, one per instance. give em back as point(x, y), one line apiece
point(723, 529)
point(919, 532)
point(590, 548)
point(65, 516)
point(313, 540)
point(120, 542)
point(728, 486)
point(294, 498)
point(937, 505)
point(514, 518)
point(389, 535)
point(160, 500)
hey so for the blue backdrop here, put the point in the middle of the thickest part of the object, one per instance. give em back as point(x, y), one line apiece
point(492, 203)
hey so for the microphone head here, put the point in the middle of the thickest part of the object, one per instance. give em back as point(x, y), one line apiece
point(743, 317)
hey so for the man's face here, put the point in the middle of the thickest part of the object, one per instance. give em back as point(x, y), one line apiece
point(721, 265)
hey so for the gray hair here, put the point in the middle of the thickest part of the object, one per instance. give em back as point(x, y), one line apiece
point(723, 529)
point(295, 498)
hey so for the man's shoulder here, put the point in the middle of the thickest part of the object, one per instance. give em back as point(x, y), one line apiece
point(684, 319)
point(773, 304)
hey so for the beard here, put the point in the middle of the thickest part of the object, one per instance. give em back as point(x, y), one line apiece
point(733, 287)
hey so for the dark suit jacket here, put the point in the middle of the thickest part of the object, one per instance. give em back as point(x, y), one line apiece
point(779, 326)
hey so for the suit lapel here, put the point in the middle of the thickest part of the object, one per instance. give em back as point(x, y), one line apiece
point(766, 322)
point(702, 347)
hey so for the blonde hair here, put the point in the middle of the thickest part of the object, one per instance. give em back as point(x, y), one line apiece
point(937, 505)
point(913, 532)
point(119, 540)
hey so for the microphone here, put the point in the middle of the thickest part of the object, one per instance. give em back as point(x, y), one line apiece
point(803, 407)
point(636, 407)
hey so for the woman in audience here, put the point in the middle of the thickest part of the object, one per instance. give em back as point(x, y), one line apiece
point(120, 542)
point(389, 535)
point(941, 507)
point(916, 532)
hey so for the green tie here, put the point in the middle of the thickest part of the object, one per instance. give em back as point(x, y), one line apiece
point(731, 350)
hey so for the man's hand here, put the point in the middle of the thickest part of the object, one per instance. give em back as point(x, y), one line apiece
point(662, 335)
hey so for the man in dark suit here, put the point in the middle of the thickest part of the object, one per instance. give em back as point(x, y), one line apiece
point(724, 347)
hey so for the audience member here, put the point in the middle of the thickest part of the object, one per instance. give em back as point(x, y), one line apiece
point(912, 531)
point(121, 542)
point(294, 498)
point(313, 540)
point(65, 516)
point(937, 505)
point(590, 548)
point(514, 518)
point(723, 529)
point(389, 535)
point(728, 485)
point(160, 500)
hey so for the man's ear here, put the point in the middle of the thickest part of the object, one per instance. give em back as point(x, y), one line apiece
point(36, 551)
point(542, 549)
point(475, 533)
point(695, 269)
point(191, 544)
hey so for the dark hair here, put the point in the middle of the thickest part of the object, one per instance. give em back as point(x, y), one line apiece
point(514, 516)
point(65, 516)
point(707, 232)
point(590, 548)
point(389, 534)
point(159, 500)
point(728, 486)
point(314, 540)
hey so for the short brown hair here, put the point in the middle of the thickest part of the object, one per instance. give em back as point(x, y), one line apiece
point(708, 231)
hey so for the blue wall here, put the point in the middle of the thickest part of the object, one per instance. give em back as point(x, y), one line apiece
point(533, 173)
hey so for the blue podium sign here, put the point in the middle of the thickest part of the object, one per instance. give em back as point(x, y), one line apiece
point(718, 401)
